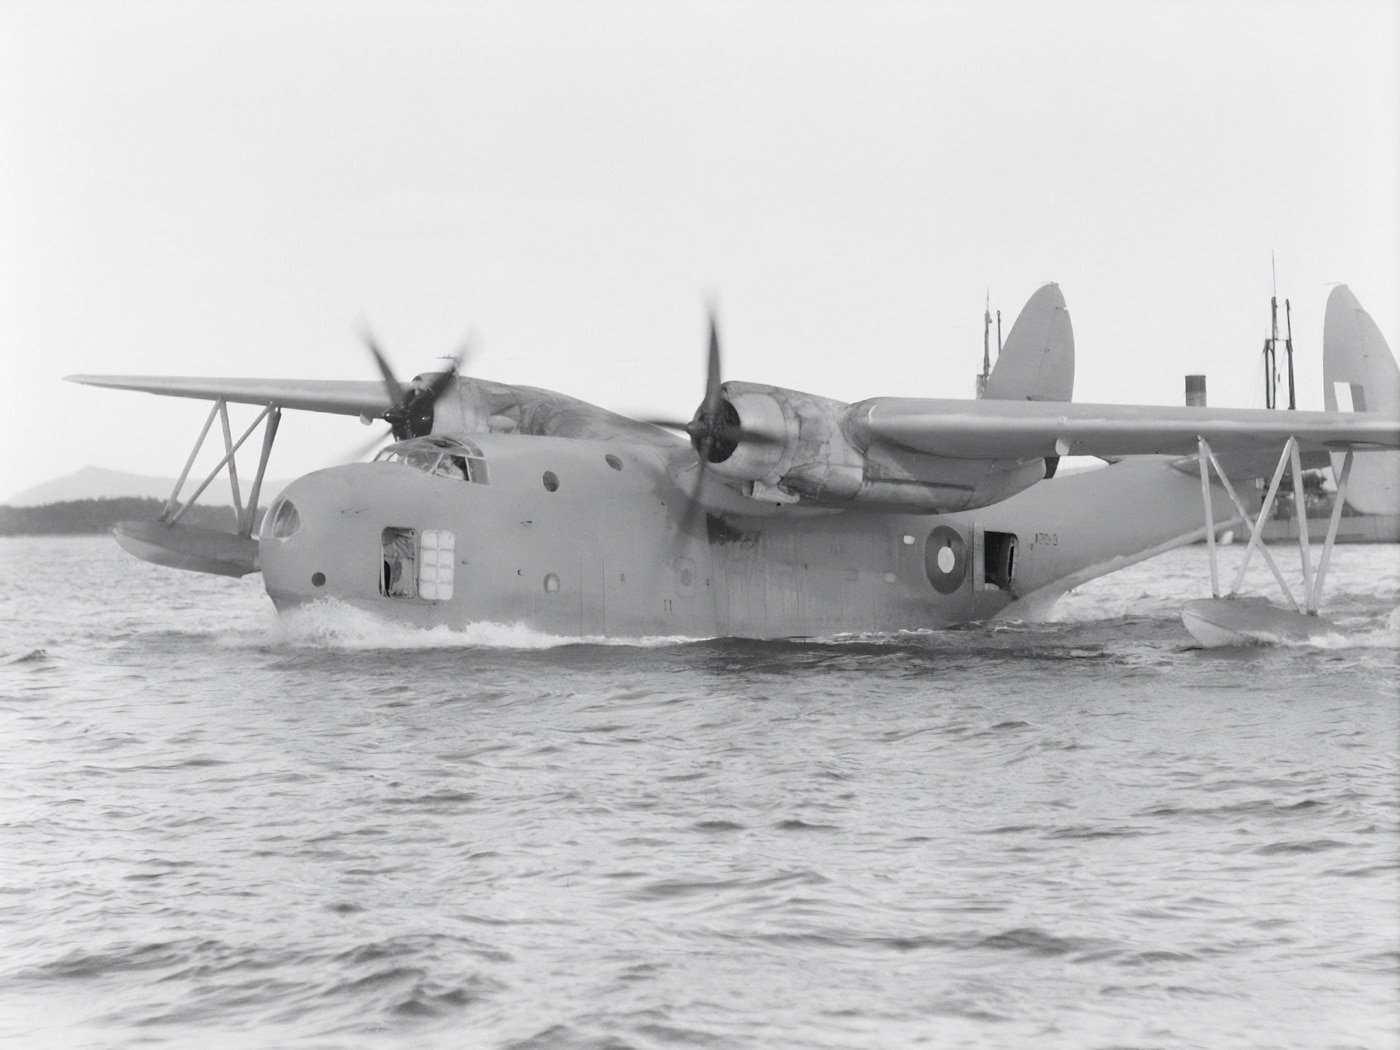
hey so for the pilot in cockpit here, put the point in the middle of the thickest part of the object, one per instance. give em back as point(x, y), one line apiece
point(452, 467)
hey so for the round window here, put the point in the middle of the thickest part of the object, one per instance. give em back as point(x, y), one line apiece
point(283, 521)
point(551, 481)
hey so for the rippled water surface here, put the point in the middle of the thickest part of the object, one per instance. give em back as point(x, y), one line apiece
point(224, 829)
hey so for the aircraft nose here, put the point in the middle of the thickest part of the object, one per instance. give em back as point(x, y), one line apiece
point(309, 534)
point(364, 533)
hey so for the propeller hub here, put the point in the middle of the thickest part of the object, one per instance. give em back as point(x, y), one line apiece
point(411, 409)
point(715, 433)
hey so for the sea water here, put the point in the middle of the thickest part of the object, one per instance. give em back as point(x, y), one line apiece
point(221, 828)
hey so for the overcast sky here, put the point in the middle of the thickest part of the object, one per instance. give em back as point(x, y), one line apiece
point(229, 188)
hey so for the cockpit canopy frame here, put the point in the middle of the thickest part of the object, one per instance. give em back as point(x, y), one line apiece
point(439, 456)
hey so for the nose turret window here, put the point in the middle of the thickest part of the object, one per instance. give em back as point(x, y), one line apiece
point(283, 520)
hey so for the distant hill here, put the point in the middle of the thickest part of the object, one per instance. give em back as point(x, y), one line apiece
point(75, 517)
point(95, 483)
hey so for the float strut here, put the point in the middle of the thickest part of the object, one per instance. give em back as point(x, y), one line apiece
point(1203, 456)
point(169, 518)
point(274, 417)
point(1315, 599)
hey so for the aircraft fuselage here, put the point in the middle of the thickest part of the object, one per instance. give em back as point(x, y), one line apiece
point(591, 538)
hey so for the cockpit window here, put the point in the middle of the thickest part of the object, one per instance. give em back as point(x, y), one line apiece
point(424, 461)
point(440, 457)
point(453, 467)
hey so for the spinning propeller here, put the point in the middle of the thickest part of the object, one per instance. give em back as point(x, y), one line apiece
point(411, 408)
point(715, 430)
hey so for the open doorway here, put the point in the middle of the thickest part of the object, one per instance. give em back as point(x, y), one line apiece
point(998, 559)
point(398, 576)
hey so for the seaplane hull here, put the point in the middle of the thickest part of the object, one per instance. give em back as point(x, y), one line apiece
point(593, 539)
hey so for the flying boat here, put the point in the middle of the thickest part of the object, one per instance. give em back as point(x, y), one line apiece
point(771, 513)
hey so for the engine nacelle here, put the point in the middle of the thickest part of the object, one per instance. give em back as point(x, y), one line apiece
point(791, 445)
point(787, 445)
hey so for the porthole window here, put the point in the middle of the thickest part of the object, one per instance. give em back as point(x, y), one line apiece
point(613, 461)
point(551, 481)
point(551, 584)
point(283, 522)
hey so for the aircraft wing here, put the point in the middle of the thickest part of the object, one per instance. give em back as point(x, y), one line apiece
point(989, 429)
point(342, 397)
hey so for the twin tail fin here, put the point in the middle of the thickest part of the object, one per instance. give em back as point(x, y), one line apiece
point(1360, 375)
point(1036, 363)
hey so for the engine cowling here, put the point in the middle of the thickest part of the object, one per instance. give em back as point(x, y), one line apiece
point(785, 445)
point(790, 445)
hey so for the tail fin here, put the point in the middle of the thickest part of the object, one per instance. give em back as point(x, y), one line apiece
point(1037, 361)
point(1359, 375)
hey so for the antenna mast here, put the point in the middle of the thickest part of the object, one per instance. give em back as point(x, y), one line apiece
point(986, 346)
point(1288, 345)
point(1271, 348)
point(1271, 344)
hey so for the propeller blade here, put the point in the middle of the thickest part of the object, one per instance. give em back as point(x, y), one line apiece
point(702, 427)
point(722, 430)
point(392, 386)
point(693, 507)
point(669, 424)
point(363, 449)
point(444, 379)
point(410, 411)
point(712, 371)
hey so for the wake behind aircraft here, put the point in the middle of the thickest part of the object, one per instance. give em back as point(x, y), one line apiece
point(778, 514)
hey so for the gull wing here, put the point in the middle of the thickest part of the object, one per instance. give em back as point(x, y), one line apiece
point(341, 397)
point(988, 429)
